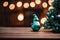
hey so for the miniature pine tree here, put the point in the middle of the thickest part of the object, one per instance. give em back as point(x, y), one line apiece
point(53, 20)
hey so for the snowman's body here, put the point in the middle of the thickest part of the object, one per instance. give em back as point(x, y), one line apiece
point(36, 26)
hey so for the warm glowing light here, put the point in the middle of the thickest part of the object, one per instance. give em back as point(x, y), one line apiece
point(43, 20)
point(42, 28)
point(26, 5)
point(51, 7)
point(44, 5)
point(19, 4)
point(12, 6)
point(50, 2)
point(5, 4)
point(37, 1)
point(32, 4)
point(20, 17)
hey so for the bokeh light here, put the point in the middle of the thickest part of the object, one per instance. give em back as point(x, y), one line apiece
point(43, 20)
point(19, 4)
point(32, 4)
point(51, 7)
point(26, 5)
point(37, 1)
point(5, 4)
point(42, 29)
point(11, 6)
point(50, 2)
point(44, 5)
point(20, 17)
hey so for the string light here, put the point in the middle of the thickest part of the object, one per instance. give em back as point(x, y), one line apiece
point(43, 20)
point(12, 6)
point(26, 5)
point(19, 4)
point(44, 5)
point(50, 2)
point(51, 7)
point(20, 17)
point(5, 4)
point(37, 1)
point(32, 4)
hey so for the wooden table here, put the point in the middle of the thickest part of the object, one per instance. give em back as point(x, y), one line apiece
point(26, 32)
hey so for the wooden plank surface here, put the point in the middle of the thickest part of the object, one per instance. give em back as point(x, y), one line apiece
point(25, 32)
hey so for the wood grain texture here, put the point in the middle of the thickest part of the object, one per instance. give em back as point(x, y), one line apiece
point(26, 32)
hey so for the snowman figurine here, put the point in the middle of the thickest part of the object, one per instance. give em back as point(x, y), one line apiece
point(35, 25)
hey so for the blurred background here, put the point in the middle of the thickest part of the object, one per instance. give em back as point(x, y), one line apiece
point(19, 13)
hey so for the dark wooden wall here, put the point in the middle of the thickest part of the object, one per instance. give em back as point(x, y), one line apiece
point(9, 17)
